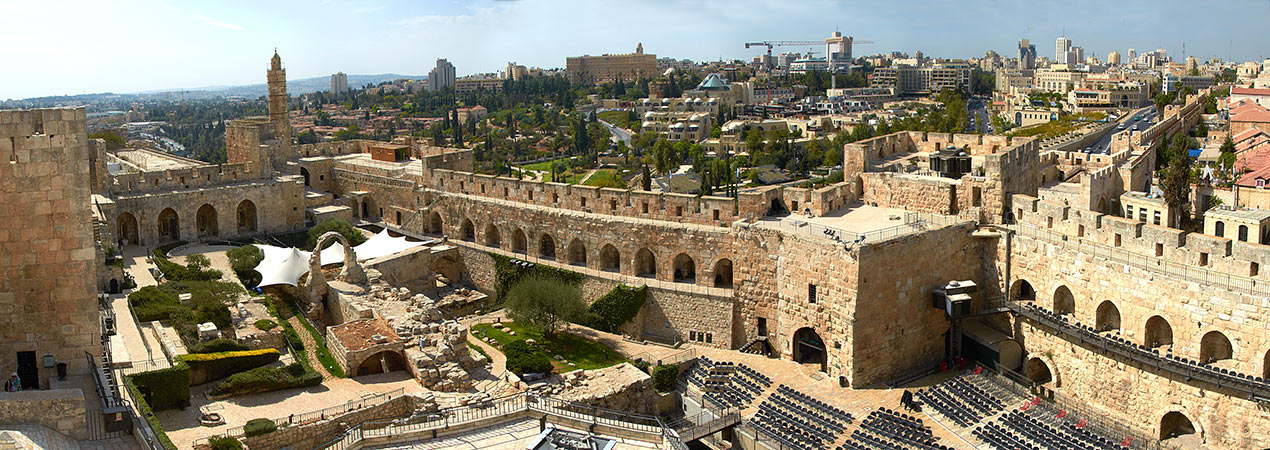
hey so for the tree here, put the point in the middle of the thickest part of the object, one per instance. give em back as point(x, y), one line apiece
point(306, 137)
point(353, 235)
point(545, 303)
point(1227, 159)
point(646, 180)
point(1161, 100)
point(115, 139)
point(198, 262)
point(1175, 180)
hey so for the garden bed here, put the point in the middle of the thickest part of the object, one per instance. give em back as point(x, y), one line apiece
point(581, 353)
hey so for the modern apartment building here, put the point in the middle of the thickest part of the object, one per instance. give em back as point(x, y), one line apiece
point(339, 83)
point(442, 76)
point(922, 80)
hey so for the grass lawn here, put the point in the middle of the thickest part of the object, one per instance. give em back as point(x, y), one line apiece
point(541, 166)
point(605, 178)
point(620, 118)
point(287, 309)
point(580, 352)
point(1061, 126)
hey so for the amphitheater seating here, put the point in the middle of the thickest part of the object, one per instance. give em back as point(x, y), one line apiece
point(726, 384)
point(964, 402)
point(798, 420)
point(890, 430)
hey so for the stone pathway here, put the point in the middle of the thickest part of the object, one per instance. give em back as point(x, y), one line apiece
point(310, 346)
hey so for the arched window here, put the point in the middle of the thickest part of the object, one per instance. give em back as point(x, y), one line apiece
point(520, 242)
point(1038, 371)
point(1108, 317)
point(645, 264)
point(723, 273)
point(576, 252)
point(1243, 233)
point(1158, 332)
point(685, 269)
point(1022, 290)
point(468, 232)
point(1064, 302)
point(1214, 347)
point(1175, 424)
point(546, 246)
point(492, 236)
point(1219, 229)
point(207, 222)
point(610, 259)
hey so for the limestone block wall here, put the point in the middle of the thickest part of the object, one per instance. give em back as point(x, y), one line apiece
point(895, 330)
point(60, 410)
point(911, 192)
point(48, 274)
point(278, 206)
point(310, 436)
point(787, 307)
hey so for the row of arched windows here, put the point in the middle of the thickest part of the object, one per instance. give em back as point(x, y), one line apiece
point(207, 222)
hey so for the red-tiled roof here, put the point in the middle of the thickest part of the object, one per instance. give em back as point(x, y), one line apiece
point(1248, 91)
point(1250, 178)
point(1247, 134)
point(1251, 115)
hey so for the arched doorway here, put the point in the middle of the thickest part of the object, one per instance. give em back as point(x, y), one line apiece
point(778, 208)
point(468, 231)
point(1214, 346)
point(127, 224)
point(519, 242)
point(1064, 301)
point(1265, 366)
point(1175, 424)
point(1158, 332)
point(205, 221)
point(447, 267)
point(434, 224)
point(246, 217)
point(1038, 371)
point(685, 269)
point(610, 259)
point(1108, 317)
point(546, 246)
point(645, 264)
point(1022, 290)
point(492, 237)
point(305, 173)
point(723, 273)
point(382, 362)
point(809, 348)
point(169, 225)
point(576, 252)
point(113, 286)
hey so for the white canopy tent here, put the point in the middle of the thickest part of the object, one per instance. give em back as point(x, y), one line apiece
point(286, 265)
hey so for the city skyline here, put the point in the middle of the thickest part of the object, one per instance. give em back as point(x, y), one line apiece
point(144, 45)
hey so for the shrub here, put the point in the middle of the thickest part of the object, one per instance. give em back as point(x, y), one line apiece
point(153, 303)
point(244, 261)
point(205, 367)
point(143, 408)
point(664, 377)
point(198, 262)
point(354, 236)
point(266, 324)
point(265, 379)
point(507, 275)
point(226, 442)
point(545, 303)
point(257, 427)
point(164, 388)
point(523, 358)
point(641, 365)
point(218, 345)
point(615, 308)
point(176, 272)
point(292, 337)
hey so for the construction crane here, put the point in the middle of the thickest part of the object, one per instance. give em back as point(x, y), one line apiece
point(770, 44)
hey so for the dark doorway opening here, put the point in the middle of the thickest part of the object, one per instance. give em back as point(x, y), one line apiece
point(28, 371)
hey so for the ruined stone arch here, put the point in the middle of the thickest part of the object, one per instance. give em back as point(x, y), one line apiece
point(1064, 301)
point(1158, 332)
point(723, 273)
point(685, 269)
point(351, 272)
point(1040, 371)
point(434, 224)
point(468, 231)
point(1022, 290)
point(247, 220)
point(576, 252)
point(127, 226)
point(205, 221)
point(305, 173)
point(546, 246)
point(169, 225)
point(645, 264)
point(1215, 346)
point(381, 362)
point(610, 258)
point(520, 243)
point(1108, 317)
point(492, 237)
point(1174, 424)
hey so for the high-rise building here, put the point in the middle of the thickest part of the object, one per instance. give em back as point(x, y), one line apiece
point(1133, 56)
point(1113, 58)
point(607, 68)
point(516, 72)
point(1027, 55)
point(1061, 47)
point(442, 76)
point(838, 52)
point(1076, 56)
point(339, 83)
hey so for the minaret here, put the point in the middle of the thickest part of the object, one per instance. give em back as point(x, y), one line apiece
point(278, 106)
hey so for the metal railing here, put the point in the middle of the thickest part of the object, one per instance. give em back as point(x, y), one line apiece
point(367, 401)
point(1150, 263)
point(674, 358)
point(506, 407)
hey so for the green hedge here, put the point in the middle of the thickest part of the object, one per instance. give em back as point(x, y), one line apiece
point(207, 367)
point(664, 377)
point(523, 358)
point(164, 389)
point(225, 443)
point(266, 379)
point(257, 427)
point(177, 272)
point(147, 414)
point(507, 274)
point(218, 345)
point(208, 303)
point(615, 308)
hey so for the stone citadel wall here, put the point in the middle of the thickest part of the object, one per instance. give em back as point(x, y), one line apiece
point(48, 273)
point(276, 204)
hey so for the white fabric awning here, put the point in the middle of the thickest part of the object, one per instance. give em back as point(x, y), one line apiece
point(286, 265)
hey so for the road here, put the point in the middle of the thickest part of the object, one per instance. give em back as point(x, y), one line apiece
point(620, 134)
point(1149, 116)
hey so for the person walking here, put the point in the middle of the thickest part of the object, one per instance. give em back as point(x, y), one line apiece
point(13, 384)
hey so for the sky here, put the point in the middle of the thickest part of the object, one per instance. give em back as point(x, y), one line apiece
point(53, 47)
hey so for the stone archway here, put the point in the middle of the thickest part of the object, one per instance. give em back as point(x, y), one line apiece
point(1039, 371)
point(492, 236)
point(1064, 301)
point(382, 362)
point(169, 225)
point(1214, 346)
point(520, 243)
point(351, 273)
point(610, 258)
point(205, 221)
point(1022, 290)
point(1158, 332)
point(546, 246)
point(685, 269)
point(1174, 424)
point(246, 217)
point(305, 173)
point(127, 226)
point(645, 264)
point(576, 252)
point(434, 224)
point(809, 348)
point(468, 231)
point(1107, 317)
point(723, 273)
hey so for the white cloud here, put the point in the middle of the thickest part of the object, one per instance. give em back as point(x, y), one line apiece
point(478, 16)
point(214, 22)
point(368, 9)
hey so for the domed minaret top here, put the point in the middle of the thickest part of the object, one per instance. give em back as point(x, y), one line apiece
point(276, 62)
point(639, 48)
